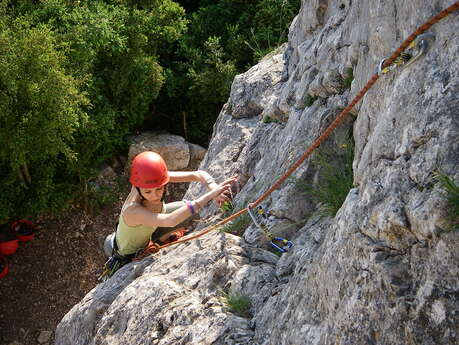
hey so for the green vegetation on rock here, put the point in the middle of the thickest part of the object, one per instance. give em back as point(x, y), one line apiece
point(238, 225)
point(451, 194)
point(335, 177)
point(237, 303)
point(348, 77)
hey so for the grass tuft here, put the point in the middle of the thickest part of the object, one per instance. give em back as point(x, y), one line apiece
point(237, 303)
point(348, 77)
point(451, 194)
point(237, 226)
point(227, 207)
point(268, 119)
point(335, 180)
point(310, 100)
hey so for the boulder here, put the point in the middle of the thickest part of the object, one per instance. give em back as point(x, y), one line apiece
point(173, 148)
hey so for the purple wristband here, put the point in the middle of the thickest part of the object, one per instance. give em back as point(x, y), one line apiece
point(190, 207)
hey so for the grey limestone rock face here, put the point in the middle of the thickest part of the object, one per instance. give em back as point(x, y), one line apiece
point(253, 91)
point(174, 297)
point(384, 270)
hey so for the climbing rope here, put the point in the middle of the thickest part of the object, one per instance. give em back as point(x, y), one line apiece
point(385, 64)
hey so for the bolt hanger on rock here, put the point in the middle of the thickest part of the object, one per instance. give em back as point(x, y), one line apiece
point(415, 50)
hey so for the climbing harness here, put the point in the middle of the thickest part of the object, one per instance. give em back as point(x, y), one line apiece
point(113, 264)
point(339, 119)
point(279, 243)
point(151, 248)
point(115, 259)
point(415, 50)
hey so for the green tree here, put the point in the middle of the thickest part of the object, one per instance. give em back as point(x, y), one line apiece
point(223, 38)
point(40, 111)
point(118, 46)
point(209, 84)
point(76, 78)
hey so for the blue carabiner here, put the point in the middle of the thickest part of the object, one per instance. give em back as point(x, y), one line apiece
point(287, 244)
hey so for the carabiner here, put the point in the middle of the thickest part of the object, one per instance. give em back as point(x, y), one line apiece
point(380, 67)
point(286, 244)
point(422, 43)
point(254, 219)
point(406, 58)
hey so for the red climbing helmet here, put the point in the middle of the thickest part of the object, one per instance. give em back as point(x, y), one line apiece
point(148, 170)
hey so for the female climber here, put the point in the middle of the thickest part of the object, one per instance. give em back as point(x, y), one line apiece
point(145, 217)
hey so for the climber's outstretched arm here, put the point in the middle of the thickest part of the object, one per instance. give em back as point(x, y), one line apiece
point(193, 176)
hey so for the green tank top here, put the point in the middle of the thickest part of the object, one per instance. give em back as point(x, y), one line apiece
point(132, 238)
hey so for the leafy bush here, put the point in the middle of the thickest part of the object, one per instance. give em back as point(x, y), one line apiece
point(224, 38)
point(210, 78)
point(118, 46)
point(74, 80)
point(270, 25)
point(41, 110)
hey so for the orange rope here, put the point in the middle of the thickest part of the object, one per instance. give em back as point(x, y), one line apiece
point(423, 28)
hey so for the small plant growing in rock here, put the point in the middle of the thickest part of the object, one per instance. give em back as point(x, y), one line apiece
point(348, 77)
point(310, 100)
point(226, 207)
point(334, 181)
point(237, 303)
point(237, 226)
point(451, 194)
point(268, 119)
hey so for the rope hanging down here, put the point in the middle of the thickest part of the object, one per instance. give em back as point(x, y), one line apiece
point(387, 62)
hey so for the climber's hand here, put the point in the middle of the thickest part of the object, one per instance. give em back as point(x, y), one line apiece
point(223, 191)
point(222, 198)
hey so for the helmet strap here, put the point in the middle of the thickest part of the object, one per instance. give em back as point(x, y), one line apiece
point(165, 192)
point(140, 193)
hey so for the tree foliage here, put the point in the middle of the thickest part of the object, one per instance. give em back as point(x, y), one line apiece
point(223, 38)
point(75, 78)
point(41, 110)
point(78, 76)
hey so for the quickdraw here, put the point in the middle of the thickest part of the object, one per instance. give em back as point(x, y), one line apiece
point(279, 243)
point(415, 50)
point(110, 267)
